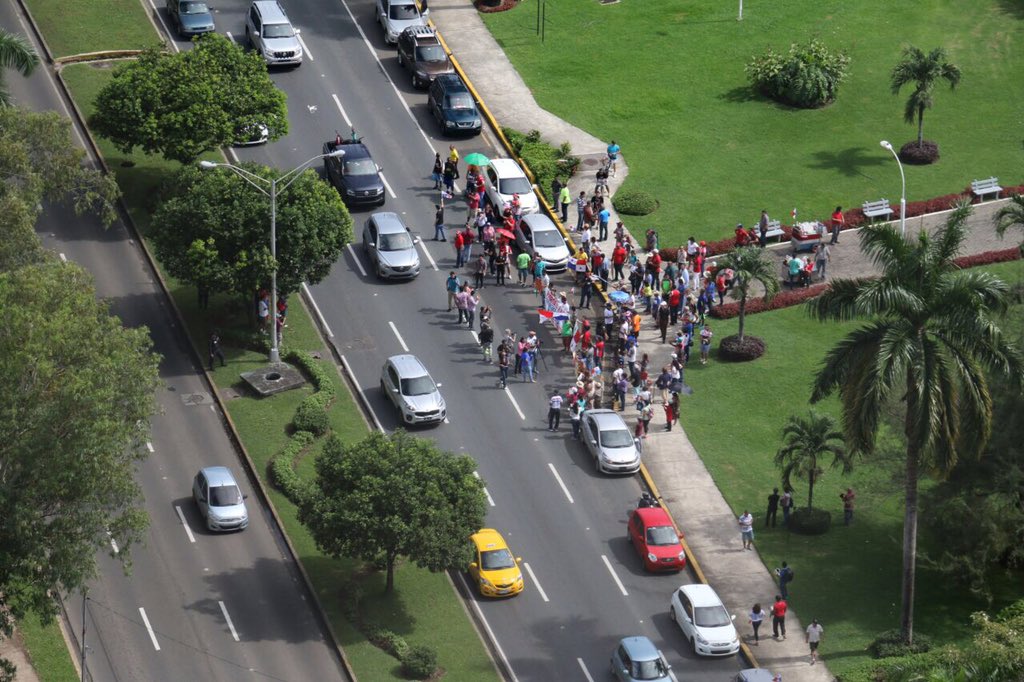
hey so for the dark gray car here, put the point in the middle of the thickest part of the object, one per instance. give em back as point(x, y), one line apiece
point(190, 18)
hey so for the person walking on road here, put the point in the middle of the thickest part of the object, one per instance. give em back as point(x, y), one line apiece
point(471, 302)
point(848, 498)
point(500, 267)
point(586, 291)
point(459, 243)
point(814, 635)
point(527, 365)
point(503, 364)
point(773, 508)
point(747, 529)
point(461, 299)
point(522, 267)
point(437, 175)
point(574, 419)
point(480, 271)
point(779, 617)
point(787, 506)
point(486, 337)
point(439, 223)
point(756, 617)
point(215, 350)
point(822, 255)
point(451, 285)
point(565, 198)
point(785, 576)
point(554, 411)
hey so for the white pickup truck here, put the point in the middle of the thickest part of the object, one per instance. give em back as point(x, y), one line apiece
point(397, 15)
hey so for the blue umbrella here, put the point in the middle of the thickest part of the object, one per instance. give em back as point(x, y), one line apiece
point(618, 296)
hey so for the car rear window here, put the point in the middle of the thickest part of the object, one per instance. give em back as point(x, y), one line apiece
point(648, 670)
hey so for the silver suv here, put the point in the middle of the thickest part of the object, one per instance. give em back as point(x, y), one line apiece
point(610, 442)
point(408, 384)
point(270, 33)
point(390, 247)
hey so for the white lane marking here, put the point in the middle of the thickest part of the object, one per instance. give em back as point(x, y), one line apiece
point(63, 258)
point(536, 583)
point(337, 101)
point(672, 676)
point(426, 252)
point(188, 531)
point(399, 336)
point(475, 337)
point(487, 626)
point(373, 53)
point(231, 626)
point(316, 309)
point(355, 381)
point(559, 479)
point(615, 577)
point(149, 628)
point(173, 41)
point(230, 151)
point(359, 263)
point(113, 543)
point(387, 186)
point(490, 500)
point(586, 673)
point(304, 48)
point(149, 446)
point(515, 404)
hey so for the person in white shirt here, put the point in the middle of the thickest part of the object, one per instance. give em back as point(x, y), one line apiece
point(814, 634)
point(554, 411)
point(747, 529)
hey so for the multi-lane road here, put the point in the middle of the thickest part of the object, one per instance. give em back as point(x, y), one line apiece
point(585, 586)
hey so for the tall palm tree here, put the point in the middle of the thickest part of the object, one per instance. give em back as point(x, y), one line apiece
point(924, 71)
point(931, 332)
point(15, 53)
point(749, 265)
point(807, 441)
point(1011, 215)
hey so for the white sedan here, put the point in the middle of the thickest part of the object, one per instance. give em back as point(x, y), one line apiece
point(503, 180)
point(704, 620)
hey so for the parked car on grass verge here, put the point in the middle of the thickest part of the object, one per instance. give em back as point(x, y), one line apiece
point(704, 620)
point(494, 569)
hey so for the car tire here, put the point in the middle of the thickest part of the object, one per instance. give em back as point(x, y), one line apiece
point(671, 609)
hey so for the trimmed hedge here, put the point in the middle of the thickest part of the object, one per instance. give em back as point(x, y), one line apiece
point(727, 311)
point(989, 257)
point(282, 466)
point(544, 161)
point(634, 202)
point(311, 416)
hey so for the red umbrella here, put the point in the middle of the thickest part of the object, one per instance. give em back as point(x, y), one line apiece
point(502, 232)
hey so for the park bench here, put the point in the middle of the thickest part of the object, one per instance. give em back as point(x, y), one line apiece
point(982, 187)
point(876, 209)
point(775, 230)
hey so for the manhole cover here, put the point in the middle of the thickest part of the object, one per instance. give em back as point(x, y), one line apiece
point(196, 399)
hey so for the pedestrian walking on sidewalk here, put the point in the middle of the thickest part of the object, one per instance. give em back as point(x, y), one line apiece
point(581, 210)
point(670, 412)
point(773, 508)
point(613, 156)
point(837, 224)
point(785, 576)
point(815, 633)
point(822, 255)
point(756, 617)
point(779, 617)
point(848, 497)
point(554, 411)
point(747, 529)
point(565, 198)
point(787, 506)
point(215, 350)
point(603, 218)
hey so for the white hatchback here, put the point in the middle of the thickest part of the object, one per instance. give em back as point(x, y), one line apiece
point(704, 620)
point(503, 180)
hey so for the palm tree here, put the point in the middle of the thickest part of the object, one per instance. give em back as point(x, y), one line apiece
point(931, 332)
point(923, 71)
point(807, 441)
point(749, 265)
point(1011, 215)
point(15, 53)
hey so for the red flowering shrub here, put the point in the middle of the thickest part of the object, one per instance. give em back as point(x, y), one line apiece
point(757, 305)
point(989, 257)
point(488, 6)
point(668, 254)
point(1011, 191)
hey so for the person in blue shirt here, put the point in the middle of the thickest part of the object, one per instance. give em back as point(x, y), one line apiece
point(613, 155)
point(602, 224)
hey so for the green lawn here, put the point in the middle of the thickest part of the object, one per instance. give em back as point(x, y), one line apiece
point(849, 578)
point(666, 80)
point(78, 27)
point(47, 650)
point(424, 608)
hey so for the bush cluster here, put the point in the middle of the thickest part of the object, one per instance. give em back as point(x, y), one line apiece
point(544, 161)
point(491, 6)
point(890, 644)
point(732, 349)
point(419, 662)
point(282, 466)
point(919, 155)
point(810, 521)
point(311, 416)
point(989, 257)
point(634, 202)
point(807, 77)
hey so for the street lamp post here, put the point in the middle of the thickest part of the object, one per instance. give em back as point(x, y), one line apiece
point(903, 193)
point(272, 191)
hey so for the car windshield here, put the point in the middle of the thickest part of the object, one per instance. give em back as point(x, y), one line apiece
point(460, 102)
point(430, 53)
point(711, 616)
point(617, 438)
point(362, 166)
point(423, 385)
point(496, 559)
point(404, 12)
point(397, 241)
point(547, 238)
point(510, 186)
point(194, 8)
point(225, 496)
point(662, 535)
point(648, 670)
point(277, 30)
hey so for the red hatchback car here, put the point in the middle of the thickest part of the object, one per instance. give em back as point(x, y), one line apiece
point(654, 537)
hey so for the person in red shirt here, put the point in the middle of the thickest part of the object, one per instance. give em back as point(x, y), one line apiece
point(741, 236)
point(459, 243)
point(720, 286)
point(779, 617)
point(675, 297)
point(837, 224)
point(618, 260)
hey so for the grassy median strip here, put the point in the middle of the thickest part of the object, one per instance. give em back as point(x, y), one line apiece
point(666, 81)
point(423, 608)
point(47, 650)
point(849, 578)
point(77, 27)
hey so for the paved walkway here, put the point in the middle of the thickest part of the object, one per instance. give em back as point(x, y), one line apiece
point(709, 523)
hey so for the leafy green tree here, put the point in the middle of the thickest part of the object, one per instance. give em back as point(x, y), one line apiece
point(750, 265)
point(19, 245)
point(183, 104)
point(923, 71)
point(213, 231)
point(1011, 215)
point(39, 161)
point(75, 412)
point(391, 496)
point(807, 443)
point(18, 54)
point(931, 331)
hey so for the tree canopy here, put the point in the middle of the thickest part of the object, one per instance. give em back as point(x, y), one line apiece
point(75, 413)
point(807, 443)
point(750, 265)
point(923, 71)
point(213, 231)
point(394, 495)
point(931, 332)
point(1010, 216)
point(182, 104)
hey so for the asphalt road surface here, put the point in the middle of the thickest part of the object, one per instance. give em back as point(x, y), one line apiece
point(198, 606)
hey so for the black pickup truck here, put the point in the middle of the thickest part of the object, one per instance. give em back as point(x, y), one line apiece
point(355, 175)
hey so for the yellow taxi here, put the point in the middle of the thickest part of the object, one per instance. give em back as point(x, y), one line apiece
point(494, 569)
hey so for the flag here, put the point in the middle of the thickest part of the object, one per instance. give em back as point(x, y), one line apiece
point(545, 315)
